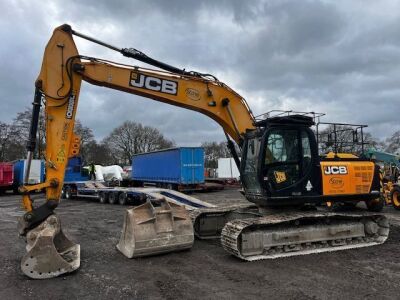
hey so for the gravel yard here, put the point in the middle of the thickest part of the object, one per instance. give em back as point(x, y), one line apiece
point(206, 271)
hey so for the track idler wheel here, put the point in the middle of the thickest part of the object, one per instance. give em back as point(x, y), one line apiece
point(50, 252)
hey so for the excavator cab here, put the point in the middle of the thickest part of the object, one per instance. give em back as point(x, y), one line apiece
point(281, 166)
point(280, 162)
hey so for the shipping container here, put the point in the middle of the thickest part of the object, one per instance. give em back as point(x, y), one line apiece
point(6, 176)
point(177, 168)
point(36, 173)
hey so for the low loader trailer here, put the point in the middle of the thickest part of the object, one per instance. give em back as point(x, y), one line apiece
point(128, 195)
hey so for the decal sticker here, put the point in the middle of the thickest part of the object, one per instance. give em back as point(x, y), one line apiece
point(280, 176)
point(192, 165)
point(71, 106)
point(309, 186)
point(152, 83)
point(192, 94)
point(336, 182)
point(65, 131)
point(61, 154)
point(335, 170)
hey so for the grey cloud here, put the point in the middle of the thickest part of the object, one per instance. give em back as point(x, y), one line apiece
point(338, 57)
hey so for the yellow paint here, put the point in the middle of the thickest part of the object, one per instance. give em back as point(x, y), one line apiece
point(356, 180)
point(60, 107)
point(340, 155)
point(100, 73)
point(396, 199)
point(62, 95)
point(27, 203)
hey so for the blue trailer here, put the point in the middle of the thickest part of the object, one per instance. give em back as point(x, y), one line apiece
point(177, 168)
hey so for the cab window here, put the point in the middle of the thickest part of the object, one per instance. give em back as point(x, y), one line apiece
point(249, 175)
point(282, 146)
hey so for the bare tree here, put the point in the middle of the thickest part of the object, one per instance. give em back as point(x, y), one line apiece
point(346, 140)
point(213, 151)
point(4, 140)
point(11, 145)
point(131, 138)
point(21, 126)
point(372, 142)
point(87, 138)
point(99, 153)
point(393, 143)
point(13, 138)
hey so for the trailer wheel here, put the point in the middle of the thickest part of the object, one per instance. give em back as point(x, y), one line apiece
point(395, 197)
point(103, 197)
point(68, 193)
point(112, 198)
point(376, 205)
point(123, 198)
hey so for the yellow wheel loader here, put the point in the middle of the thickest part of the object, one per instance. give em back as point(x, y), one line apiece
point(390, 174)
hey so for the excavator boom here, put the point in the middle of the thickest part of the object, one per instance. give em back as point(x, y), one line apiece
point(59, 81)
point(50, 253)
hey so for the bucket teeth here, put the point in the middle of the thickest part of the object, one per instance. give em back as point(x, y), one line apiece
point(49, 252)
point(154, 228)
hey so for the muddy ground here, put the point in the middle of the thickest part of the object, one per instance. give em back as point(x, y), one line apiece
point(206, 271)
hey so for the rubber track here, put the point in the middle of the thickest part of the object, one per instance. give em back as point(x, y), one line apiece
point(230, 236)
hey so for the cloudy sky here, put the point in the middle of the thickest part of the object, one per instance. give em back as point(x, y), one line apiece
point(337, 57)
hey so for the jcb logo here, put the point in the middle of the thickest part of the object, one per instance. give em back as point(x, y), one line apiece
point(70, 107)
point(335, 170)
point(153, 83)
point(280, 176)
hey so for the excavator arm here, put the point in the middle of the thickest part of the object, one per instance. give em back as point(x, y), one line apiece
point(58, 85)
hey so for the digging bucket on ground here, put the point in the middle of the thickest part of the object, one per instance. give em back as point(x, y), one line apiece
point(155, 227)
point(49, 252)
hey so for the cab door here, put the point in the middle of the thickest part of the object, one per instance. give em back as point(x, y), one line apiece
point(288, 161)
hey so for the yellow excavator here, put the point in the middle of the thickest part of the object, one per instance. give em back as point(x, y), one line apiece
point(280, 168)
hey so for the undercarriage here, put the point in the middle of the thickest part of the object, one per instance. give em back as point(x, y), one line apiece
point(253, 234)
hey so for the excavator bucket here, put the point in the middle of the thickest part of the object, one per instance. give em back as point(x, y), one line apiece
point(155, 227)
point(50, 252)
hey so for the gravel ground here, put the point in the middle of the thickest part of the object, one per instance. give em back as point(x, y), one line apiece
point(206, 271)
